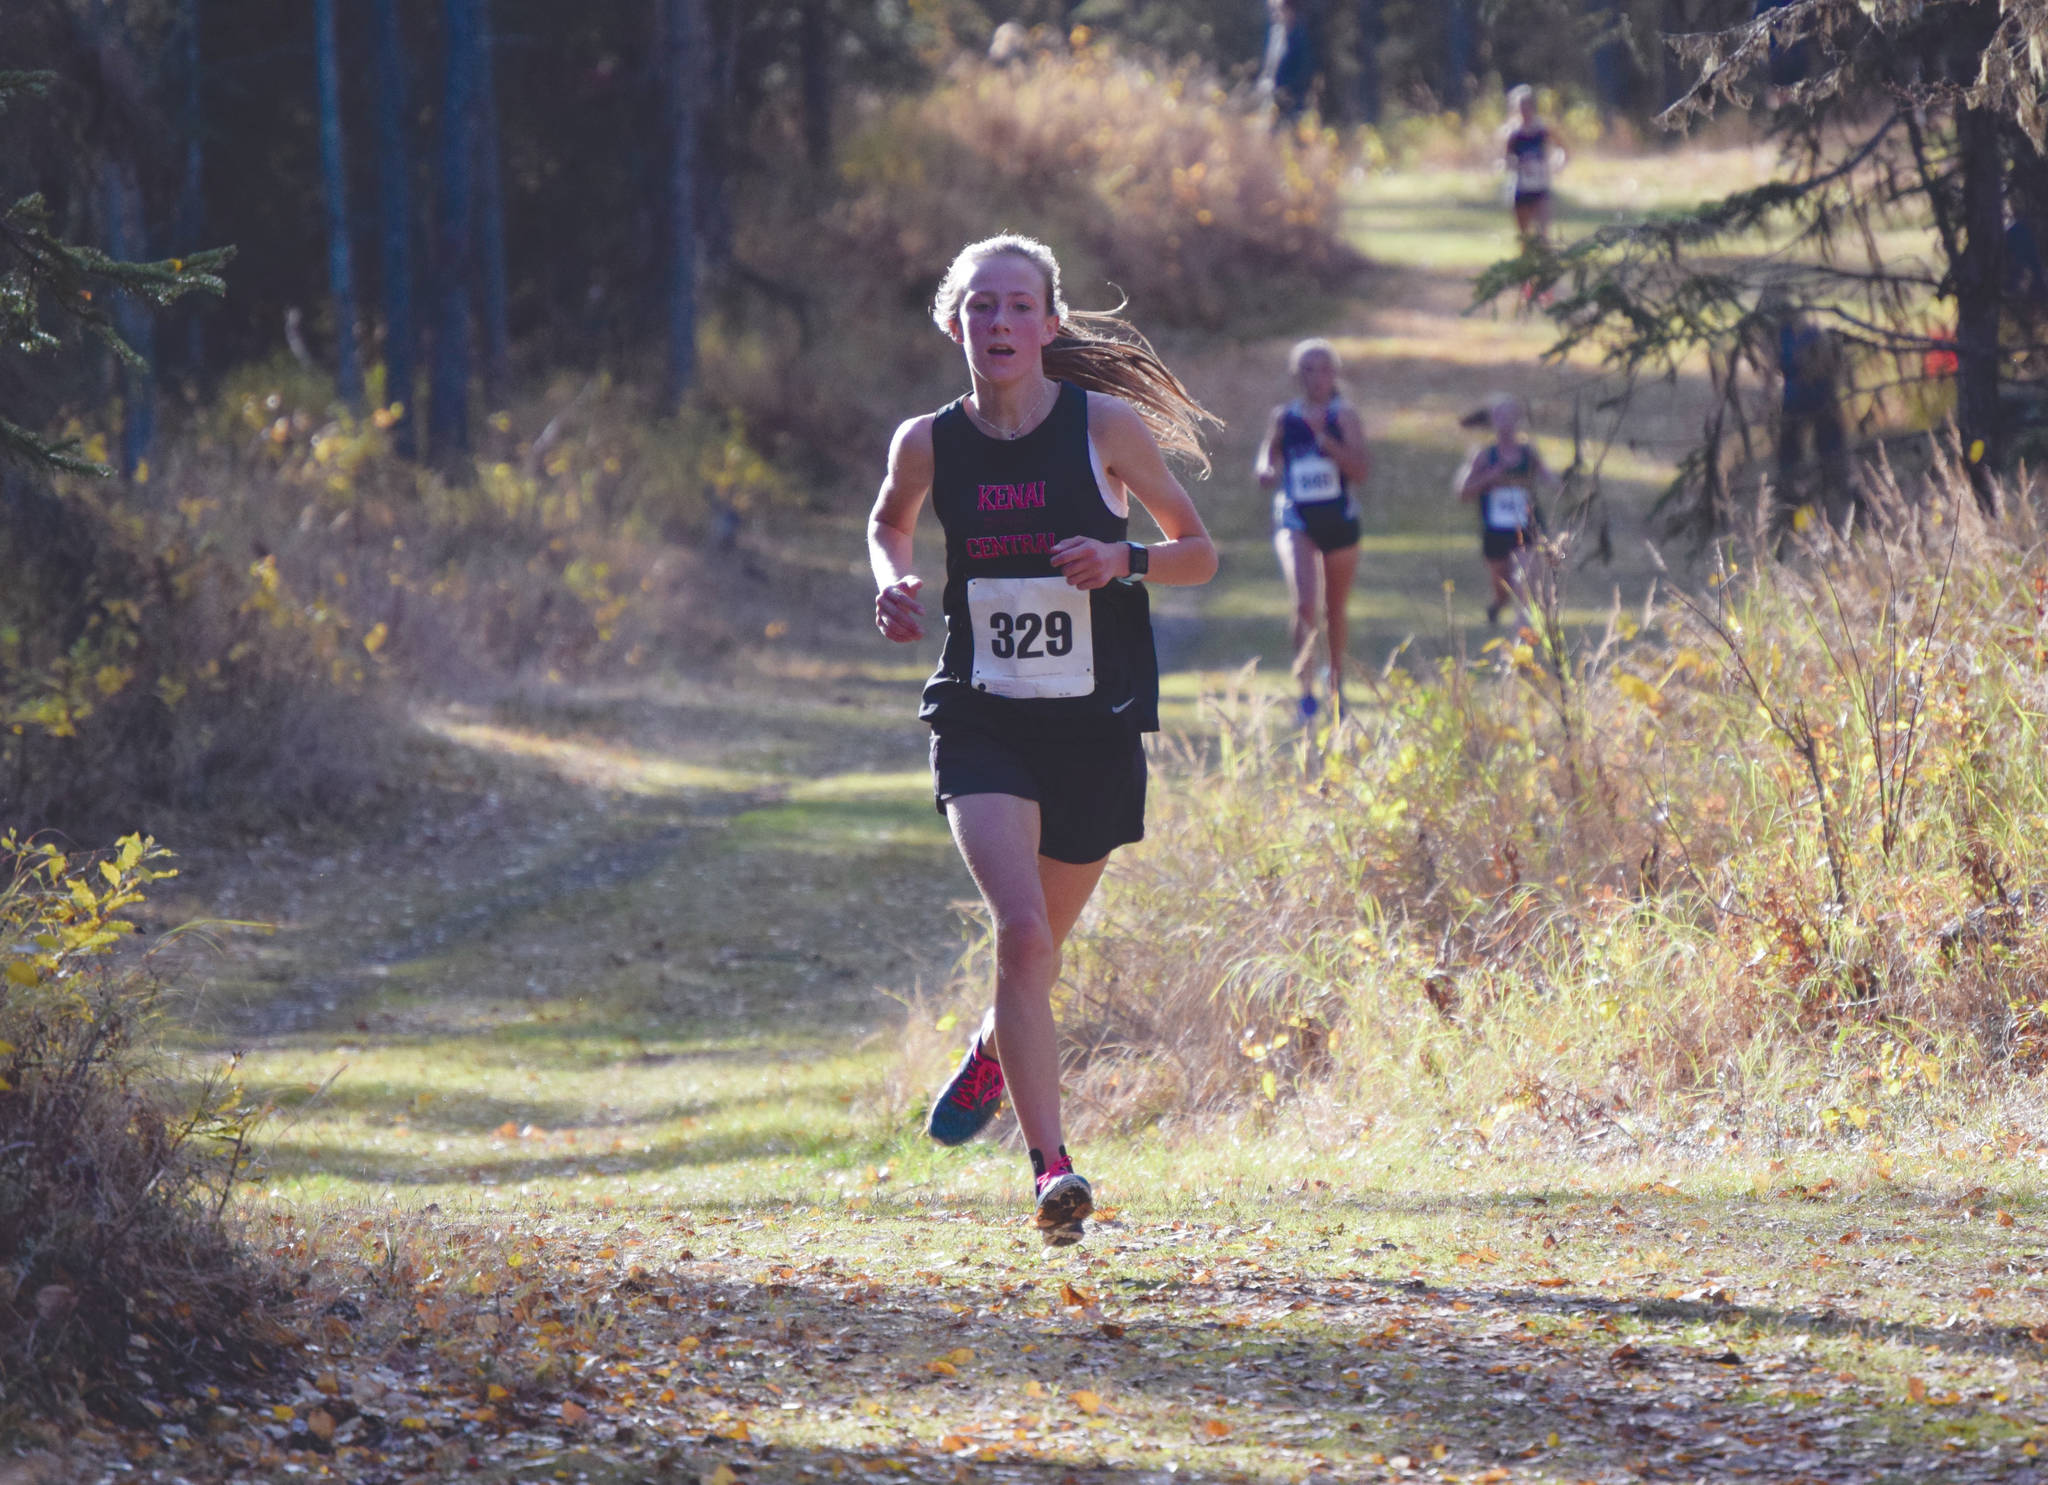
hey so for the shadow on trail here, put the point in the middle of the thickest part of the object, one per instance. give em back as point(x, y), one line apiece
point(1270, 1377)
point(512, 1166)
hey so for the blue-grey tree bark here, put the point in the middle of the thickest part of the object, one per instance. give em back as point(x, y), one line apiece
point(490, 221)
point(454, 233)
point(814, 44)
point(1461, 53)
point(1368, 98)
point(348, 368)
point(1610, 57)
point(134, 321)
point(681, 72)
point(1979, 276)
point(394, 226)
point(190, 216)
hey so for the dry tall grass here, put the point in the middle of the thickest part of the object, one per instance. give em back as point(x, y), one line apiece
point(1163, 184)
point(1768, 857)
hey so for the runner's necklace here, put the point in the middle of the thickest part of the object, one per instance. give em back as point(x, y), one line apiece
point(1044, 402)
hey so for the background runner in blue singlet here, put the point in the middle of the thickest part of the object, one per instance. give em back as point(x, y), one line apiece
point(1504, 479)
point(1313, 458)
point(1532, 154)
point(1048, 678)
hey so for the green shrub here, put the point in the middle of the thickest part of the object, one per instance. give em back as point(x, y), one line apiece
point(119, 1278)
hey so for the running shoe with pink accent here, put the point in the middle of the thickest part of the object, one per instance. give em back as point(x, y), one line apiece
point(1065, 1201)
point(963, 1109)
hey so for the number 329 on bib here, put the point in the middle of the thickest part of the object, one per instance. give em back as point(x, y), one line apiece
point(1033, 637)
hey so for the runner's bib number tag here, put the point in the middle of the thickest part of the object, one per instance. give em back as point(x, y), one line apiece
point(1033, 637)
point(1532, 173)
point(1507, 508)
point(1313, 479)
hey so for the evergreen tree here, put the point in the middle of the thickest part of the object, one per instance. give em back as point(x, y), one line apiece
point(1888, 116)
point(48, 285)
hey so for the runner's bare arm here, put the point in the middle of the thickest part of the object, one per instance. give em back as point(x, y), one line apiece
point(1268, 467)
point(1352, 455)
point(1133, 460)
point(891, 525)
point(1478, 477)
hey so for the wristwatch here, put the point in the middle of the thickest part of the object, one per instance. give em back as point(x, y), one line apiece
point(1141, 560)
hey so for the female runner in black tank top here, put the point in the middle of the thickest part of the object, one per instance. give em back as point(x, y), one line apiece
point(1048, 675)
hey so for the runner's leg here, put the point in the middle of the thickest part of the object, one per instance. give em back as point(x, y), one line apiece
point(1338, 568)
point(1497, 568)
point(1067, 889)
point(998, 839)
point(1299, 565)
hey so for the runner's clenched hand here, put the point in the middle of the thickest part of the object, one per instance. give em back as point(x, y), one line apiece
point(1088, 564)
point(898, 614)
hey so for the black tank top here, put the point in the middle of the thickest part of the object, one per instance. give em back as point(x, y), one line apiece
point(1027, 654)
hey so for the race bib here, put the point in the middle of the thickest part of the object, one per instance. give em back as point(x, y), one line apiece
point(1033, 638)
point(1507, 508)
point(1312, 479)
point(1532, 172)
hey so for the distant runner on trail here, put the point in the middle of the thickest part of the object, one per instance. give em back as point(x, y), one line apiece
point(1048, 678)
point(1313, 454)
point(1531, 153)
point(1503, 479)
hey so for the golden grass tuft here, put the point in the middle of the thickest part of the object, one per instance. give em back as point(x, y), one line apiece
point(1160, 183)
point(1768, 857)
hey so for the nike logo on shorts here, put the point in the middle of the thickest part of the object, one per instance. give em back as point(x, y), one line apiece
point(1115, 709)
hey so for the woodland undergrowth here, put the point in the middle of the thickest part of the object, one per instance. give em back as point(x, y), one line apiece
point(1760, 862)
point(122, 1269)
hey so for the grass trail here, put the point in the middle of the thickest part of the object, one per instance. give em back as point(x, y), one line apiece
point(596, 1135)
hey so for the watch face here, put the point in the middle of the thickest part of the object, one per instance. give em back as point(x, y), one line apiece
point(1141, 560)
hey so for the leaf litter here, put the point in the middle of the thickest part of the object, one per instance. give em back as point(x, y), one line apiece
point(806, 1344)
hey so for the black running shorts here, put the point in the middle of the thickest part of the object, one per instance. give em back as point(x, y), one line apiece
point(1090, 794)
point(1332, 525)
point(1495, 545)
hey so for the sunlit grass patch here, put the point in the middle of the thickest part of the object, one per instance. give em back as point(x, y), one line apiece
point(595, 763)
point(828, 815)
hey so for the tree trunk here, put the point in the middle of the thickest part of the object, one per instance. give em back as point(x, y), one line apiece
point(348, 371)
point(394, 228)
point(717, 41)
point(1460, 54)
point(190, 216)
point(814, 43)
point(455, 232)
point(1368, 97)
point(491, 217)
point(1610, 59)
point(1978, 280)
point(134, 322)
point(682, 89)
